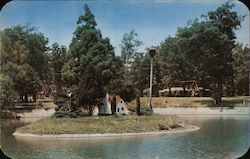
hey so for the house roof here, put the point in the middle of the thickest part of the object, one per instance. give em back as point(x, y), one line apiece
point(117, 98)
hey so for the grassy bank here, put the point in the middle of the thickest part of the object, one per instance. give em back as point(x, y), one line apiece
point(191, 102)
point(33, 105)
point(102, 124)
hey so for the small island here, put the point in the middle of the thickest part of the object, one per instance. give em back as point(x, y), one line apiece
point(104, 126)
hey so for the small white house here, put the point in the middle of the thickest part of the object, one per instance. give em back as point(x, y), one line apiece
point(112, 102)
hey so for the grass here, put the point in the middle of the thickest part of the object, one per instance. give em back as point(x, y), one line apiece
point(190, 102)
point(102, 124)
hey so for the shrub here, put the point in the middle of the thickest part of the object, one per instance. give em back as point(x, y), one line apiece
point(75, 114)
point(174, 125)
point(162, 127)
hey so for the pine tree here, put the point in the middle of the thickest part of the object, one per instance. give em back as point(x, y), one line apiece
point(95, 57)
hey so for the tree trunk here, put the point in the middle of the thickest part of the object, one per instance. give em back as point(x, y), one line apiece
point(217, 92)
point(169, 93)
point(233, 87)
point(138, 105)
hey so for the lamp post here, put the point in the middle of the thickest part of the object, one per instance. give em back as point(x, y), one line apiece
point(69, 94)
point(152, 54)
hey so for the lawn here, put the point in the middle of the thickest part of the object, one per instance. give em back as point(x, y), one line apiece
point(190, 102)
point(103, 124)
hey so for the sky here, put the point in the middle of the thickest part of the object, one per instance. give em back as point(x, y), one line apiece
point(153, 20)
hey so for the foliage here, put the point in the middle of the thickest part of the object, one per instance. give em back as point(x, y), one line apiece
point(26, 81)
point(24, 59)
point(129, 47)
point(58, 58)
point(8, 94)
point(96, 67)
point(202, 51)
point(65, 114)
point(241, 69)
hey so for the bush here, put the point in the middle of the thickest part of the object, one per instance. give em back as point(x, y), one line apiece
point(75, 114)
point(175, 125)
point(62, 104)
point(60, 101)
point(144, 111)
point(60, 114)
point(162, 127)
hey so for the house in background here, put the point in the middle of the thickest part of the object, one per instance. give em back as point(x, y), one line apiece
point(111, 105)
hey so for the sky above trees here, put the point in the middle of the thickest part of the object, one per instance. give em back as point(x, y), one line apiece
point(152, 20)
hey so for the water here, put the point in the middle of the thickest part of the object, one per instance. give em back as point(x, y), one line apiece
point(219, 137)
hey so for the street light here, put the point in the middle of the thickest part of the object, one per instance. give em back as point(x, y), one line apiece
point(69, 94)
point(152, 54)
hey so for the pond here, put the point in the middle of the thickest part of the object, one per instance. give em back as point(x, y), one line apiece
point(220, 136)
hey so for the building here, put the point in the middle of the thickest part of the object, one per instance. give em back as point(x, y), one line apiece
point(111, 105)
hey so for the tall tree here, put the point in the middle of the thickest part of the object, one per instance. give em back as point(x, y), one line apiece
point(129, 47)
point(95, 57)
point(227, 22)
point(58, 58)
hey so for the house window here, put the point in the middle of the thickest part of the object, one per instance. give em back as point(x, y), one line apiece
point(122, 108)
point(121, 101)
point(118, 110)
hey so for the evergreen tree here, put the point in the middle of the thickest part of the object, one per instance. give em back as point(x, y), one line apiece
point(58, 58)
point(95, 57)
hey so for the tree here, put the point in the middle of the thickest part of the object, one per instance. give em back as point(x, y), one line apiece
point(129, 47)
point(174, 60)
point(26, 82)
point(202, 50)
point(58, 58)
point(95, 57)
point(18, 44)
point(227, 22)
point(8, 94)
point(37, 59)
point(241, 69)
point(70, 72)
point(139, 72)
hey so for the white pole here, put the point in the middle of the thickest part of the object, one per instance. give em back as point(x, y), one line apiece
point(150, 87)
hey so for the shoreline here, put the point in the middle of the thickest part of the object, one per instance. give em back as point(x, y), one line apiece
point(203, 111)
point(189, 128)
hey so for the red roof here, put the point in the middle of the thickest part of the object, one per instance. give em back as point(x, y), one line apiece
point(117, 98)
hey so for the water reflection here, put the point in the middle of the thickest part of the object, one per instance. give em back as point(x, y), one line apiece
point(219, 137)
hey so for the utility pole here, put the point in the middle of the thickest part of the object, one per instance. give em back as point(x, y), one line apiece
point(152, 54)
